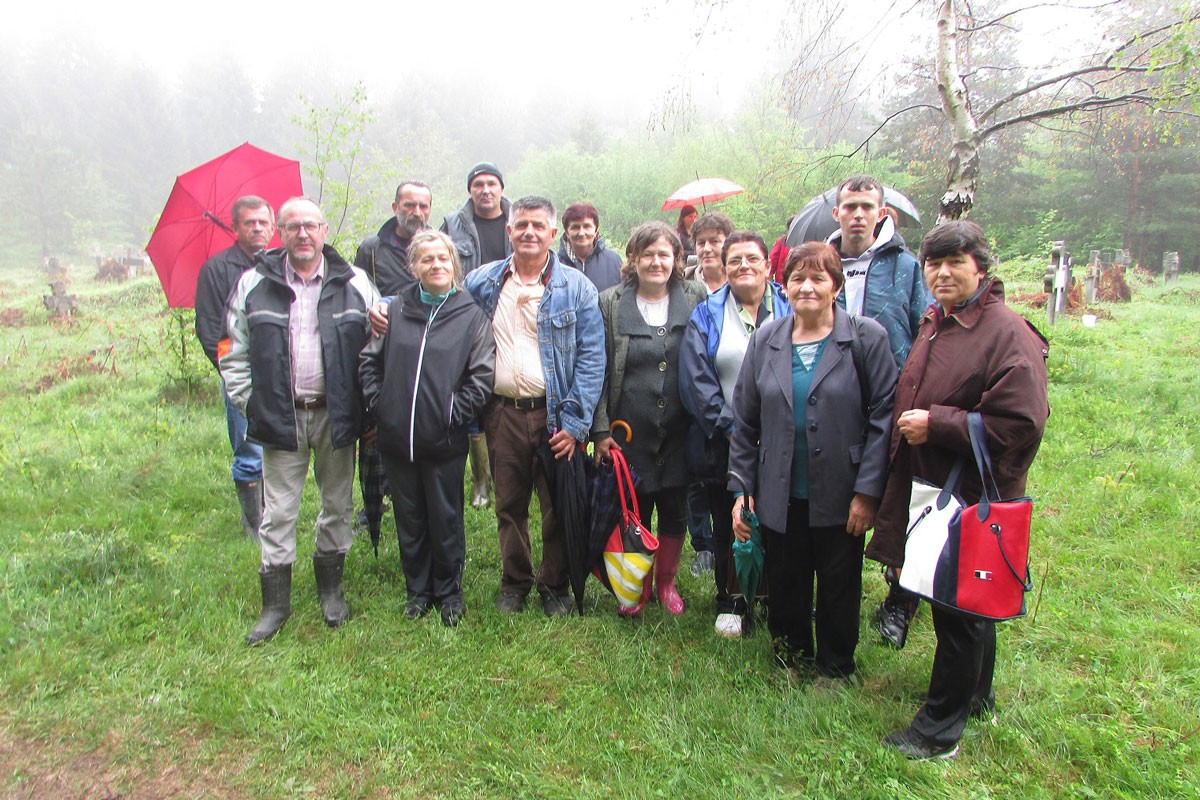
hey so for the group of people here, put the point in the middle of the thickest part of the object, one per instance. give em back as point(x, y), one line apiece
point(813, 402)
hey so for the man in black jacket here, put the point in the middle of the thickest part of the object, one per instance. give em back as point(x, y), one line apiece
point(253, 226)
point(297, 323)
point(384, 256)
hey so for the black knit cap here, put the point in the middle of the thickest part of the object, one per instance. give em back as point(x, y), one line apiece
point(484, 168)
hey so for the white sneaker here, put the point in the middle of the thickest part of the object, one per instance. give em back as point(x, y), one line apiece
point(729, 625)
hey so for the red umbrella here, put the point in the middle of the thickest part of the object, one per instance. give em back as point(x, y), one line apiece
point(195, 221)
point(701, 191)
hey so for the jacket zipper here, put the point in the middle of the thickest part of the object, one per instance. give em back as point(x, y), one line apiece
point(412, 413)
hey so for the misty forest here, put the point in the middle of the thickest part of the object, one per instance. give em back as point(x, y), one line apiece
point(1100, 152)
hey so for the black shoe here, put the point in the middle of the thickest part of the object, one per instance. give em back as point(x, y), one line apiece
point(556, 605)
point(892, 624)
point(415, 609)
point(911, 744)
point(453, 612)
point(510, 603)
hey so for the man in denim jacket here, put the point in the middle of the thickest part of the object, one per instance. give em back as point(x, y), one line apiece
point(549, 374)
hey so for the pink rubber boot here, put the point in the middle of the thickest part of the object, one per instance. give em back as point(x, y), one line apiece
point(666, 565)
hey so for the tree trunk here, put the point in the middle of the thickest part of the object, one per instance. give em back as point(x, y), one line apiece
point(962, 176)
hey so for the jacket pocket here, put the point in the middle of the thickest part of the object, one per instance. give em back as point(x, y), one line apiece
point(562, 332)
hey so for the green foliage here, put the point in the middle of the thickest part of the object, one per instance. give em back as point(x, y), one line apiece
point(126, 589)
point(343, 166)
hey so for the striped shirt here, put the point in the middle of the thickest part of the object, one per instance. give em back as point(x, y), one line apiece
point(308, 367)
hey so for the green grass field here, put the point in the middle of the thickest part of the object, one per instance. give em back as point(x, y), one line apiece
point(127, 590)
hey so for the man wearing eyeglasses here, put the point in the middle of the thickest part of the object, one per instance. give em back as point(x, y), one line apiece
point(883, 282)
point(297, 322)
point(253, 227)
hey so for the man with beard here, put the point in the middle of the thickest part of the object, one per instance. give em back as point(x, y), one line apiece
point(384, 256)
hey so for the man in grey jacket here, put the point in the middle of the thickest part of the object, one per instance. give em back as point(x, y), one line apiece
point(480, 236)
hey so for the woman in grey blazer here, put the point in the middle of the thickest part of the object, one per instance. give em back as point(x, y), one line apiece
point(812, 420)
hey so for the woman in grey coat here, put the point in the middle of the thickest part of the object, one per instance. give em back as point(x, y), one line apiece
point(812, 419)
point(644, 321)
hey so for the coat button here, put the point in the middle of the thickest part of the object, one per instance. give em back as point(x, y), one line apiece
point(662, 366)
point(817, 451)
point(658, 462)
point(812, 400)
point(661, 331)
point(812, 426)
point(662, 433)
point(662, 402)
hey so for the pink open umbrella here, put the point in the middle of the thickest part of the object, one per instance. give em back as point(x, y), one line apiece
point(702, 191)
point(194, 223)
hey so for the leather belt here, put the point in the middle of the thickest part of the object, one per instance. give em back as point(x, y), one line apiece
point(522, 403)
point(309, 403)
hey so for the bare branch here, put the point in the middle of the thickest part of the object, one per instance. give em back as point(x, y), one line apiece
point(1090, 104)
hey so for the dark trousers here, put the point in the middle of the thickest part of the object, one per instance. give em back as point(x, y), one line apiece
point(961, 682)
point(720, 502)
point(833, 558)
point(699, 518)
point(513, 440)
point(672, 510)
point(428, 498)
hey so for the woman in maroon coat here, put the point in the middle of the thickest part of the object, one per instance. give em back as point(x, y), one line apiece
point(972, 353)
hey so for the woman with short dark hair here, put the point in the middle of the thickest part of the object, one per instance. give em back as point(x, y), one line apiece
point(972, 354)
point(812, 416)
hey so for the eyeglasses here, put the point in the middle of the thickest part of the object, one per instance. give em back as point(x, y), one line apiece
point(310, 226)
point(749, 261)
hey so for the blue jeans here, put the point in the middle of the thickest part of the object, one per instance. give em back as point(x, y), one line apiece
point(247, 456)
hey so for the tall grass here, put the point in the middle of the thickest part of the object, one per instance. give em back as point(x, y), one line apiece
point(127, 589)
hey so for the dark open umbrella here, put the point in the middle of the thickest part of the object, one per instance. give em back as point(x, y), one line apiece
point(569, 486)
point(749, 556)
point(815, 221)
point(194, 223)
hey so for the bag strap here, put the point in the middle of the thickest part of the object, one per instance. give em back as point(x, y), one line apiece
point(1027, 581)
point(950, 487)
point(629, 505)
point(983, 462)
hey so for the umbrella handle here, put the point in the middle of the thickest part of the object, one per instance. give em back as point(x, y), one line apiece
point(733, 476)
point(620, 423)
point(211, 218)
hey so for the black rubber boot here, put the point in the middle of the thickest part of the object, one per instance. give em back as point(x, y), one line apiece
point(276, 585)
point(250, 498)
point(328, 572)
